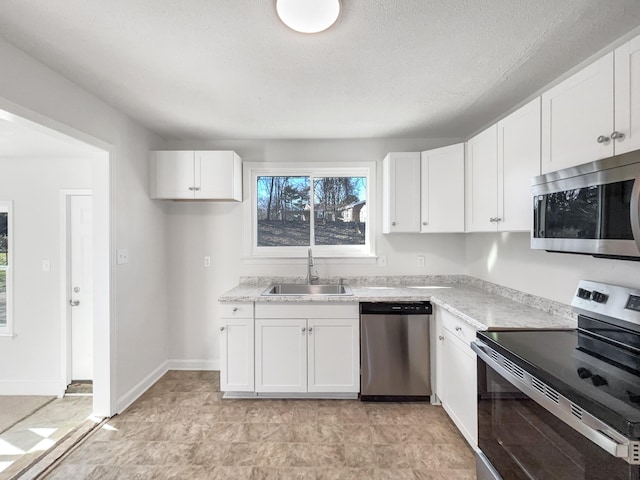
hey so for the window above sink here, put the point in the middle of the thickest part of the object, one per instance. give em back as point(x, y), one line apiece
point(326, 206)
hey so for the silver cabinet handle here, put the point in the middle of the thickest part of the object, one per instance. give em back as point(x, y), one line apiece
point(424, 223)
point(304, 329)
point(458, 329)
point(196, 188)
point(192, 188)
point(221, 329)
point(310, 329)
point(440, 337)
point(498, 219)
point(393, 224)
point(74, 303)
point(617, 135)
point(603, 139)
point(492, 219)
point(235, 309)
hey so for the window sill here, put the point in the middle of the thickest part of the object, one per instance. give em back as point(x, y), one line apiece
point(334, 260)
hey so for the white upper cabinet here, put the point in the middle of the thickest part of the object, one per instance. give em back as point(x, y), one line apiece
point(482, 181)
point(500, 164)
point(196, 175)
point(401, 192)
point(627, 97)
point(518, 163)
point(577, 118)
point(442, 179)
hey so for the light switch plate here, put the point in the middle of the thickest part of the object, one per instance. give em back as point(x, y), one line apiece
point(123, 256)
point(382, 261)
point(207, 261)
point(46, 266)
point(421, 261)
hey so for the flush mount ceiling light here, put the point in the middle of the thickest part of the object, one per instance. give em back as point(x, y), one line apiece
point(308, 16)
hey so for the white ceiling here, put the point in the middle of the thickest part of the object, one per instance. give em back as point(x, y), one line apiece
point(214, 69)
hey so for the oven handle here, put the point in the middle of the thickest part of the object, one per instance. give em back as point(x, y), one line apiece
point(598, 432)
point(635, 211)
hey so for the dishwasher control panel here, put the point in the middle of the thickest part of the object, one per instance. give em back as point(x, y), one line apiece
point(398, 308)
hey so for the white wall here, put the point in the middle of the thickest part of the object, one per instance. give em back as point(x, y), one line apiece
point(506, 259)
point(139, 342)
point(216, 229)
point(30, 361)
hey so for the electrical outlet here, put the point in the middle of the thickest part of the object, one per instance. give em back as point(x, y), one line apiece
point(46, 266)
point(123, 256)
point(421, 261)
point(207, 261)
point(382, 261)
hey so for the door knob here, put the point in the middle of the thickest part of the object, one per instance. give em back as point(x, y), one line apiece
point(74, 303)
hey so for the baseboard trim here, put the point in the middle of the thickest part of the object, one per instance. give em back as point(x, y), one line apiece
point(133, 394)
point(194, 364)
point(30, 387)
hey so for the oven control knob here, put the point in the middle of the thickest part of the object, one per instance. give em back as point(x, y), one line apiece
point(633, 397)
point(583, 293)
point(598, 381)
point(584, 373)
point(599, 297)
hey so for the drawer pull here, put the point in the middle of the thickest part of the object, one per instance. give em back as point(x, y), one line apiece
point(458, 329)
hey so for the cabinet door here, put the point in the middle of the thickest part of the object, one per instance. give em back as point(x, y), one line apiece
point(518, 162)
point(627, 96)
point(459, 396)
point(575, 114)
point(218, 175)
point(482, 181)
point(401, 193)
point(236, 355)
point(334, 355)
point(174, 174)
point(281, 355)
point(442, 172)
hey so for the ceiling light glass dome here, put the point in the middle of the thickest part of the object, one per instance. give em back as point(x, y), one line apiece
point(308, 16)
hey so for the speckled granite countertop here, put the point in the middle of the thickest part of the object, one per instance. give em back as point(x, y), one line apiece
point(485, 305)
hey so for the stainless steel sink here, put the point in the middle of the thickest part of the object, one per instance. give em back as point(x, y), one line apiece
point(305, 289)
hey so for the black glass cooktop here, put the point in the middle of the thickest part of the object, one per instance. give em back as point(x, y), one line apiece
point(576, 365)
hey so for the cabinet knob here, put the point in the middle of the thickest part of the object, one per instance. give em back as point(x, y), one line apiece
point(235, 309)
point(617, 135)
point(192, 188)
point(310, 329)
point(492, 219)
point(424, 223)
point(458, 329)
point(603, 139)
point(196, 188)
point(393, 224)
point(304, 329)
point(221, 329)
point(497, 219)
point(440, 337)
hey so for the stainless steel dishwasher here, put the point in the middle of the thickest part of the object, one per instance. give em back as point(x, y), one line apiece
point(394, 351)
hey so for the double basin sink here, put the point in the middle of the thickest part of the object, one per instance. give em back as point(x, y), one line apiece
point(295, 289)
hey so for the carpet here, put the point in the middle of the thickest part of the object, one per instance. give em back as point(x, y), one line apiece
point(15, 408)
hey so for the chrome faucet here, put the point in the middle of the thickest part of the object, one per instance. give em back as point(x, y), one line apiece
point(310, 277)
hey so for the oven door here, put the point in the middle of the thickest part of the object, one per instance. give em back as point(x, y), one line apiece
point(519, 439)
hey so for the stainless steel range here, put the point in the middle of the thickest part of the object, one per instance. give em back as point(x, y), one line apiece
point(564, 404)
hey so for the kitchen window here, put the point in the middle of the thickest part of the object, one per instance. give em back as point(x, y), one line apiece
point(328, 208)
point(5, 268)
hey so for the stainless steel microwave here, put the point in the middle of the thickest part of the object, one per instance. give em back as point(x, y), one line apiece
point(590, 209)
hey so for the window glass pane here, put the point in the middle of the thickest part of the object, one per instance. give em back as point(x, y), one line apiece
point(3, 298)
point(4, 217)
point(283, 211)
point(340, 210)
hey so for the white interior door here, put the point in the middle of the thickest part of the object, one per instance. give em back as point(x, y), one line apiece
point(81, 287)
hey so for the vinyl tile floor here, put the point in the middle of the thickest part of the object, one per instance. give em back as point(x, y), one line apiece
point(181, 428)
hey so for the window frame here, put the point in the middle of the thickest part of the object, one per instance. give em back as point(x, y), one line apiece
point(6, 206)
point(312, 170)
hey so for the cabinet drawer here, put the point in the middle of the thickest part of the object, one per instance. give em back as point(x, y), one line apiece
point(458, 327)
point(307, 310)
point(236, 310)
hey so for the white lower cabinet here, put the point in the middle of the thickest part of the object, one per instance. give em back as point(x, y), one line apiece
point(291, 349)
point(236, 348)
point(458, 391)
point(281, 355)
